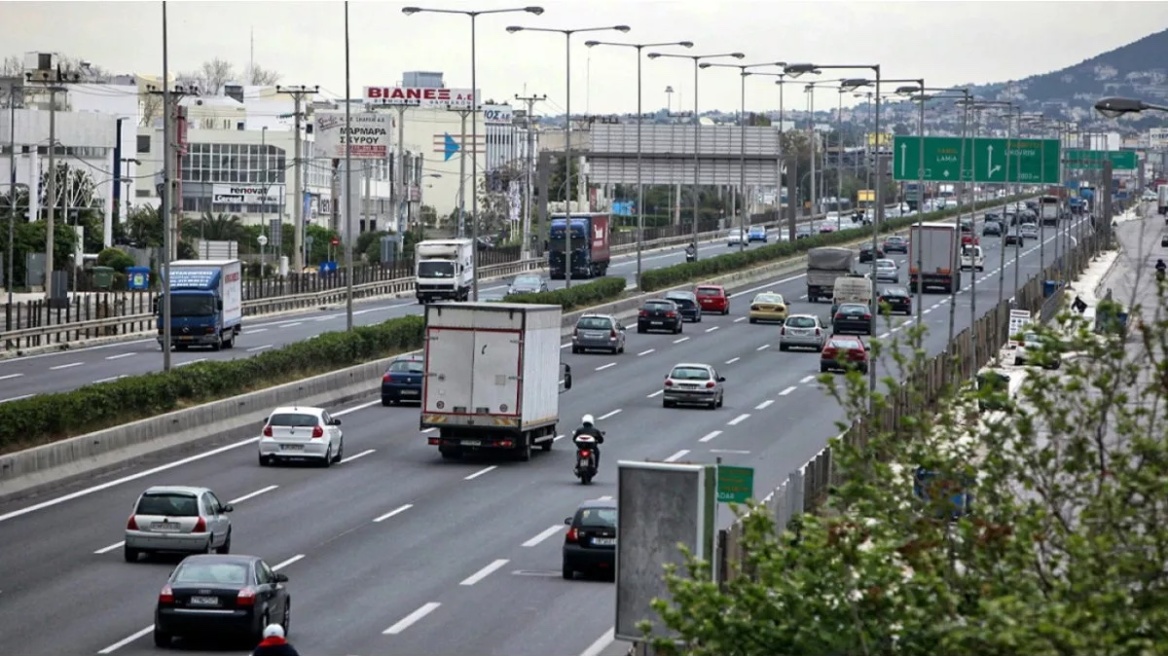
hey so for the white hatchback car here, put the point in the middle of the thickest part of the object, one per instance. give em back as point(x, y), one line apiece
point(301, 433)
point(177, 519)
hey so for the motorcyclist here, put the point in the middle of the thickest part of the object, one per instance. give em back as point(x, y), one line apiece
point(1160, 268)
point(691, 251)
point(274, 643)
point(588, 427)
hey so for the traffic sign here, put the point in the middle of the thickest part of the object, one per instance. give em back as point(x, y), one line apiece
point(735, 484)
point(335, 241)
point(1031, 161)
point(1121, 160)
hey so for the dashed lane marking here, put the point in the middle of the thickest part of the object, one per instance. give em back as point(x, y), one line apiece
point(711, 435)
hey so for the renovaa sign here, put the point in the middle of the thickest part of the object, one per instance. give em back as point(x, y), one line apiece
point(368, 135)
point(430, 97)
point(227, 194)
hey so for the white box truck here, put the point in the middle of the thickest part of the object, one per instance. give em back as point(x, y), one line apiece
point(443, 270)
point(1162, 199)
point(206, 304)
point(933, 257)
point(492, 377)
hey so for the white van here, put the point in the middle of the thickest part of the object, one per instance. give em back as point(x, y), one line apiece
point(972, 257)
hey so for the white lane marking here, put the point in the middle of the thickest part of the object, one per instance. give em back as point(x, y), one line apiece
point(926, 310)
point(259, 348)
point(14, 398)
point(409, 620)
point(807, 379)
point(610, 414)
point(109, 380)
point(252, 495)
point(294, 323)
point(606, 366)
point(943, 301)
point(480, 472)
point(740, 319)
point(484, 572)
point(429, 430)
point(711, 435)
point(183, 364)
point(602, 643)
point(733, 360)
point(543, 535)
point(729, 451)
point(254, 331)
point(787, 391)
point(683, 339)
point(118, 356)
point(125, 641)
point(392, 513)
point(110, 548)
point(10, 376)
point(764, 405)
point(657, 393)
point(677, 456)
point(150, 472)
point(67, 366)
point(645, 352)
point(763, 347)
point(356, 456)
point(564, 346)
point(558, 438)
point(710, 330)
point(288, 562)
point(604, 498)
point(738, 420)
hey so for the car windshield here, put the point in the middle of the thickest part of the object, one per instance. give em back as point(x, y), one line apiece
point(406, 367)
point(191, 305)
point(292, 420)
point(527, 282)
point(690, 373)
point(594, 323)
point(596, 518)
point(220, 573)
point(709, 291)
point(169, 505)
point(769, 298)
point(435, 269)
point(801, 322)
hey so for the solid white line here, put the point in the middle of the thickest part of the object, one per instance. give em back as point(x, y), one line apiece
point(807, 379)
point(259, 348)
point(738, 420)
point(610, 414)
point(286, 563)
point(429, 430)
point(711, 435)
point(657, 393)
point(604, 498)
point(294, 323)
point(710, 330)
point(409, 620)
point(14, 398)
point(645, 352)
point(254, 331)
point(740, 319)
point(564, 346)
point(763, 347)
point(606, 366)
point(253, 495)
point(116, 545)
point(183, 364)
point(480, 473)
point(357, 455)
point(677, 456)
point(125, 641)
point(119, 356)
point(729, 451)
point(764, 404)
point(67, 366)
point(545, 534)
point(602, 643)
point(558, 438)
point(108, 380)
point(395, 511)
point(10, 376)
point(787, 391)
point(683, 339)
point(484, 572)
point(733, 360)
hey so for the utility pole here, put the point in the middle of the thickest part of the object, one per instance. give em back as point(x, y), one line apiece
point(298, 93)
point(525, 251)
point(171, 205)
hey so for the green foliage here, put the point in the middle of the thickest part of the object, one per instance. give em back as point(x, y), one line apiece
point(603, 290)
point(116, 259)
point(45, 417)
point(216, 227)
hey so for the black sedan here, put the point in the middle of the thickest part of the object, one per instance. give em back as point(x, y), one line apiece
point(590, 543)
point(659, 314)
point(992, 227)
point(852, 318)
point(221, 595)
point(897, 299)
point(402, 381)
point(687, 304)
point(896, 244)
point(1015, 236)
point(866, 254)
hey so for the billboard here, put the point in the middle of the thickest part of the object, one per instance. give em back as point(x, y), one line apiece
point(659, 506)
point(369, 135)
point(498, 114)
point(884, 139)
point(429, 97)
point(249, 194)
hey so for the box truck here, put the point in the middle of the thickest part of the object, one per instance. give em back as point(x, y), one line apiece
point(1162, 199)
point(589, 237)
point(933, 257)
point(1049, 209)
point(824, 266)
point(206, 304)
point(443, 269)
point(492, 377)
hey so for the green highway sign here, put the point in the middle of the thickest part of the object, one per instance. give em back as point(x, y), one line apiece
point(1121, 160)
point(735, 484)
point(1031, 161)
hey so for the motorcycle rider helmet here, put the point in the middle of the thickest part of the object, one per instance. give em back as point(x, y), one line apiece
point(273, 631)
point(587, 420)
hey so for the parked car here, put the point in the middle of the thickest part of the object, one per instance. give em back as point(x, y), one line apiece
point(991, 228)
point(301, 433)
point(852, 318)
point(687, 304)
point(590, 543)
point(527, 283)
point(757, 233)
point(736, 237)
point(659, 314)
point(598, 332)
point(866, 253)
point(693, 384)
point(713, 298)
point(898, 299)
point(215, 595)
point(803, 331)
point(896, 244)
point(842, 351)
point(1040, 350)
point(887, 271)
point(177, 519)
point(768, 306)
point(402, 380)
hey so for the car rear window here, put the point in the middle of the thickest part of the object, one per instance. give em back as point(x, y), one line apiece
point(801, 322)
point(684, 302)
point(293, 420)
point(406, 366)
point(594, 323)
point(169, 505)
point(221, 573)
point(689, 373)
point(845, 344)
point(658, 305)
point(709, 291)
point(853, 309)
point(596, 518)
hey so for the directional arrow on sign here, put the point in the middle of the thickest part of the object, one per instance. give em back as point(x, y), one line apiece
point(903, 158)
point(990, 168)
point(451, 147)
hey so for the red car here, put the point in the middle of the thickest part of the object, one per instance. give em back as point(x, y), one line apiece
point(852, 348)
point(968, 239)
point(713, 298)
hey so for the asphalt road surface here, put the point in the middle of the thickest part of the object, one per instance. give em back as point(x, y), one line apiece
point(397, 552)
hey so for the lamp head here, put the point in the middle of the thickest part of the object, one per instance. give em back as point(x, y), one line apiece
point(591, 44)
point(408, 11)
point(854, 83)
point(685, 44)
point(1115, 107)
point(795, 70)
point(907, 90)
point(653, 55)
point(621, 28)
point(738, 55)
point(705, 65)
point(537, 11)
point(514, 28)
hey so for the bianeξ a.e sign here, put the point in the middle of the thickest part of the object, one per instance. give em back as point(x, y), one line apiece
point(434, 98)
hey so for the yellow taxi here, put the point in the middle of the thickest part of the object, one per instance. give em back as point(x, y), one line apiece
point(768, 306)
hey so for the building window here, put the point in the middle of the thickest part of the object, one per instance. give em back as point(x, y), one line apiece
point(143, 143)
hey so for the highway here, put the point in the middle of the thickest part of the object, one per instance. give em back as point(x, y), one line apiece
point(397, 552)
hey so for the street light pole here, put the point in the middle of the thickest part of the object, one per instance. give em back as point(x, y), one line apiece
point(349, 184)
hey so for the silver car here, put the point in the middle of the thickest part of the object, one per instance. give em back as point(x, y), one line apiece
point(177, 518)
point(598, 332)
point(693, 384)
point(887, 271)
point(1029, 230)
point(803, 331)
point(527, 283)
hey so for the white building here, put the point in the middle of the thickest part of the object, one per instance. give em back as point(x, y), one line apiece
point(438, 135)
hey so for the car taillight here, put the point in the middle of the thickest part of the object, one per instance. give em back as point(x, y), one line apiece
point(829, 353)
point(612, 333)
point(132, 524)
point(783, 330)
point(572, 536)
point(200, 526)
point(267, 431)
point(818, 332)
point(387, 378)
point(867, 317)
point(317, 432)
point(246, 597)
point(839, 315)
point(671, 314)
point(711, 385)
point(166, 596)
point(669, 383)
point(644, 313)
point(576, 333)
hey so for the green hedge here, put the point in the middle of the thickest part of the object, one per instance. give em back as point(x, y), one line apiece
point(596, 292)
point(46, 417)
point(671, 276)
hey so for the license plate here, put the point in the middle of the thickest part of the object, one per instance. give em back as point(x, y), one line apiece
point(802, 333)
point(604, 542)
point(204, 601)
point(472, 442)
point(185, 339)
point(409, 392)
point(292, 447)
point(657, 323)
point(165, 526)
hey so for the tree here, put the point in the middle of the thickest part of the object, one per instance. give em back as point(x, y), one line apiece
point(262, 77)
point(150, 104)
point(1062, 554)
point(210, 77)
point(216, 227)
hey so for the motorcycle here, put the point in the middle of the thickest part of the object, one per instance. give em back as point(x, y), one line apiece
point(691, 255)
point(585, 458)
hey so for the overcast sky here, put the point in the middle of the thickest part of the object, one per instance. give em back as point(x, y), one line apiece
point(946, 42)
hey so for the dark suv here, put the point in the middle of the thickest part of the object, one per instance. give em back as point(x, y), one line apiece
point(687, 304)
point(590, 543)
point(866, 254)
point(659, 314)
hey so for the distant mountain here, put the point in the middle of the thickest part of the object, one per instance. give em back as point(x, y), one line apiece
point(1137, 70)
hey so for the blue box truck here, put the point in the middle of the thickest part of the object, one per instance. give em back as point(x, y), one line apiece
point(206, 304)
